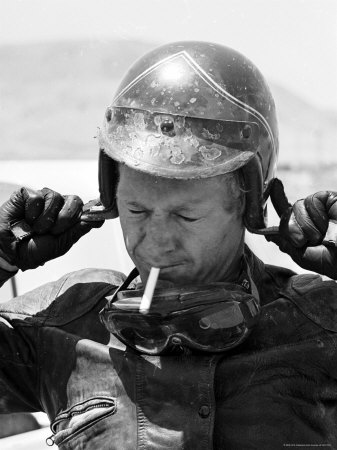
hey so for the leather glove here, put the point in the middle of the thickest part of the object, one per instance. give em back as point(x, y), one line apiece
point(308, 229)
point(37, 226)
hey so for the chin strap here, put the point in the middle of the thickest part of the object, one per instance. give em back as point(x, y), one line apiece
point(104, 207)
point(255, 215)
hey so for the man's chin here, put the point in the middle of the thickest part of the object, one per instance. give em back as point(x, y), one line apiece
point(173, 276)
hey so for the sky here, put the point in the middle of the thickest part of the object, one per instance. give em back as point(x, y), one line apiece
point(293, 42)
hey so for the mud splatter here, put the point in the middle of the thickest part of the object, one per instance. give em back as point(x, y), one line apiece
point(210, 153)
point(176, 156)
point(139, 121)
point(208, 135)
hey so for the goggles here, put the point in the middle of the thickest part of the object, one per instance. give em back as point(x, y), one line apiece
point(208, 318)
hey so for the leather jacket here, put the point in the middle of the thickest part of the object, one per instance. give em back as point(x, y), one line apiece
point(277, 389)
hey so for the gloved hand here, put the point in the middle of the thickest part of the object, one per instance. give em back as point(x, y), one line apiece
point(37, 226)
point(308, 229)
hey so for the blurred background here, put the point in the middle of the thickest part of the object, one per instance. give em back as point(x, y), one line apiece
point(61, 61)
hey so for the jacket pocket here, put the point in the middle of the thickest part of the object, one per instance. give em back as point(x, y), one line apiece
point(81, 418)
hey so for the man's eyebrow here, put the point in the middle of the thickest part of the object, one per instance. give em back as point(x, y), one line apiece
point(186, 207)
point(195, 201)
point(193, 207)
point(134, 203)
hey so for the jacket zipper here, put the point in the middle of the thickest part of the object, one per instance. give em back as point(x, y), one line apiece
point(50, 441)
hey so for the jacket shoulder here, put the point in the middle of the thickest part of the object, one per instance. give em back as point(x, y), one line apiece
point(59, 302)
point(315, 297)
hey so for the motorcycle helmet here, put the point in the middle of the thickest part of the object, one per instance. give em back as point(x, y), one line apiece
point(192, 110)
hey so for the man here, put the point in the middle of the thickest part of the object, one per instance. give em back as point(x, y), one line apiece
point(232, 353)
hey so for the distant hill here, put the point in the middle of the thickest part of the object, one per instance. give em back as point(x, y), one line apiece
point(308, 134)
point(53, 97)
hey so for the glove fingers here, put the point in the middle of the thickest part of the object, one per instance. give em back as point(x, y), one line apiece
point(53, 202)
point(297, 226)
point(40, 249)
point(34, 204)
point(330, 239)
point(308, 233)
point(317, 212)
point(328, 261)
point(332, 205)
point(291, 230)
point(24, 204)
point(69, 214)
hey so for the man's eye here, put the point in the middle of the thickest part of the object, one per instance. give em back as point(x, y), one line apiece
point(136, 211)
point(188, 219)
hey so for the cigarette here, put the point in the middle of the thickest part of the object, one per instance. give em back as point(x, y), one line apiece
point(145, 303)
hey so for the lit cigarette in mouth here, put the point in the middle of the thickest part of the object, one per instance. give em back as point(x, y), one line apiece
point(145, 303)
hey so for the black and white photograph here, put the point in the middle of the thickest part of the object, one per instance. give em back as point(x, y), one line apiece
point(168, 224)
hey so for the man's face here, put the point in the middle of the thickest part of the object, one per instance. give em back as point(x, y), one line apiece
point(180, 226)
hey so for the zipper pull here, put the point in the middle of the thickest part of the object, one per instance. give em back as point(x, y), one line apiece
point(50, 441)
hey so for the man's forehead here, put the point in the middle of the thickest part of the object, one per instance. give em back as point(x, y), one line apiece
point(133, 181)
point(147, 190)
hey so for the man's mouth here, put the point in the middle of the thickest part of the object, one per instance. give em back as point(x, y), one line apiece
point(160, 265)
point(168, 266)
point(164, 267)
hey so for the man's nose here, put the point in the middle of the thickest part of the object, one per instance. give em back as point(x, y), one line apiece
point(161, 232)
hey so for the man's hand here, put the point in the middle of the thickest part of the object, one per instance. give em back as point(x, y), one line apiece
point(308, 229)
point(37, 226)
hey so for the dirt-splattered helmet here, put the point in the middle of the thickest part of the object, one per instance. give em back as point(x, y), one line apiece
point(193, 110)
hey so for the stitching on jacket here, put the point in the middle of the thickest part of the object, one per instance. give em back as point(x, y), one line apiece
point(141, 421)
